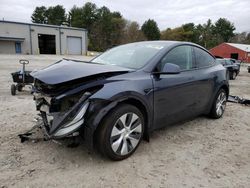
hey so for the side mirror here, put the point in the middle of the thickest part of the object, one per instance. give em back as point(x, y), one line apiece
point(170, 68)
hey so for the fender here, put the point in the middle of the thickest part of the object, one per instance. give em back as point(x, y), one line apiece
point(99, 108)
point(224, 84)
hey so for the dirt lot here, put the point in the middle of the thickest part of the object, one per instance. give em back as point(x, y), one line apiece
point(198, 153)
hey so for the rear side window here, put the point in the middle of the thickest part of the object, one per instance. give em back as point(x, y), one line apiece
point(203, 59)
point(181, 56)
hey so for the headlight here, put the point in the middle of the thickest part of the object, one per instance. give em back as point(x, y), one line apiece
point(79, 116)
point(73, 125)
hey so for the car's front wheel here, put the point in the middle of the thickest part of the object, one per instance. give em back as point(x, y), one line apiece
point(121, 132)
point(219, 104)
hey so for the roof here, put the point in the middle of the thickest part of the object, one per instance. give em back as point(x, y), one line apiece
point(243, 47)
point(167, 43)
point(43, 25)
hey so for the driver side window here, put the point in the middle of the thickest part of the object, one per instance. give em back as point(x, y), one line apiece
point(180, 55)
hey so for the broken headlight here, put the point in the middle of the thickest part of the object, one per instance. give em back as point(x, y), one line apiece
point(71, 126)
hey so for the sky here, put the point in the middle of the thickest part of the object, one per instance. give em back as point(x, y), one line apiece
point(167, 13)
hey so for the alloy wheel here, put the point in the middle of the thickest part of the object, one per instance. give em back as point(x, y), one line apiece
point(221, 103)
point(126, 134)
point(234, 75)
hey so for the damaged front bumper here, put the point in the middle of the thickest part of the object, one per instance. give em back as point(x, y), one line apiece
point(61, 124)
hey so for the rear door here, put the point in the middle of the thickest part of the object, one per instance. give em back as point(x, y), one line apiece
point(175, 94)
point(205, 78)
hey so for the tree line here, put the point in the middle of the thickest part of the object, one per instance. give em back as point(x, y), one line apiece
point(107, 29)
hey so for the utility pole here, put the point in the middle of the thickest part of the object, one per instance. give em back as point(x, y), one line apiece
point(246, 54)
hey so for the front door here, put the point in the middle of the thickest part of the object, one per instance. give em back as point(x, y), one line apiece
point(175, 94)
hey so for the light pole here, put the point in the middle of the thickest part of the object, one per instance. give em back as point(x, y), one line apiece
point(246, 54)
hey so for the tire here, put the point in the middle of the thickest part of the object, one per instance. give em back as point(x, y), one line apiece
point(19, 88)
point(234, 75)
point(219, 104)
point(13, 89)
point(121, 132)
point(228, 75)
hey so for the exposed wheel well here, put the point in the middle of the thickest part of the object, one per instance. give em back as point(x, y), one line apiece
point(225, 87)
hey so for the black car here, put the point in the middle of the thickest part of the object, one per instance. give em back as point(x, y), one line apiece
point(233, 69)
point(248, 68)
point(121, 96)
point(235, 62)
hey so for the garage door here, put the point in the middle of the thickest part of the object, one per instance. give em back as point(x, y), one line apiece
point(74, 45)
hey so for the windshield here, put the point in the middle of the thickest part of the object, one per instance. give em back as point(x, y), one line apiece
point(221, 61)
point(133, 56)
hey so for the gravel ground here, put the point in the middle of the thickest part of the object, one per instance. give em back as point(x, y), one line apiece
point(198, 153)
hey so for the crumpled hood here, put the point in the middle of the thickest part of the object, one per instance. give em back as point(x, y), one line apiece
point(67, 70)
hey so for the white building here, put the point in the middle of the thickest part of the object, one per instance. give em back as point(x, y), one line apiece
point(29, 38)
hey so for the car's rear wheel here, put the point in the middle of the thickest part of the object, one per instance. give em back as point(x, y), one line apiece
point(121, 132)
point(228, 75)
point(234, 75)
point(219, 104)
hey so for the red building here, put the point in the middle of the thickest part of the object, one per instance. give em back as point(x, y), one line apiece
point(232, 50)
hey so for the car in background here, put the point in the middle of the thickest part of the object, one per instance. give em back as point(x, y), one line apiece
point(121, 96)
point(248, 68)
point(235, 62)
point(232, 68)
